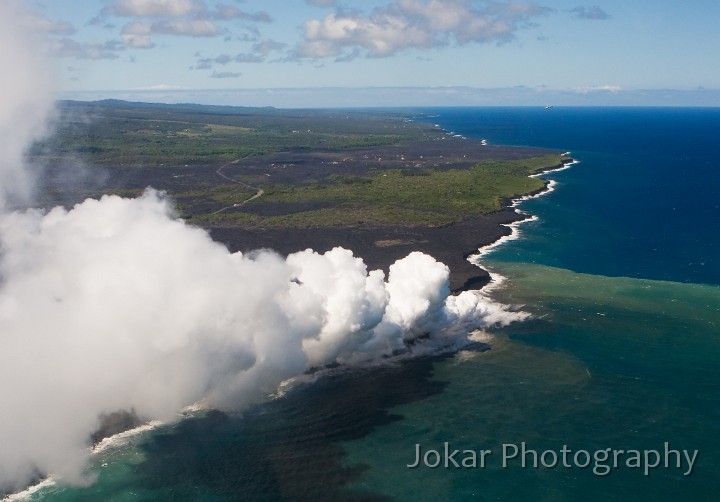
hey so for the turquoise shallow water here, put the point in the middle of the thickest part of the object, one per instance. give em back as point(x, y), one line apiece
point(609, 363)
point(621, 272)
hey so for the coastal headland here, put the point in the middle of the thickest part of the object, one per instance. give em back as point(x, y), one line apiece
point(381, 183)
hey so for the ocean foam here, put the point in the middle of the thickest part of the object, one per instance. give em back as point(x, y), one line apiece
point(108, 443)
point(122, 438)
point(117, 440)
point(29, 491)
point(556, 169)
point(496, 280)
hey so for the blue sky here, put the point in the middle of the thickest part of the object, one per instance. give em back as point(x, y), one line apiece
point(386, 52)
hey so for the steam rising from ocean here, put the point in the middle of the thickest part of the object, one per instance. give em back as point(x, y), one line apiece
point(26, 101)
point(116, 304)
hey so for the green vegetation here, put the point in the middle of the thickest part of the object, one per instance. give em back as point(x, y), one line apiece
point(141, 135)
point(277, 169)
point(394, 196)
point(457, 191)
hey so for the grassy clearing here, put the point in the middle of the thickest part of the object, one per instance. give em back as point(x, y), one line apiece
point(428, 198)
point(118, 136)
point(476, 190)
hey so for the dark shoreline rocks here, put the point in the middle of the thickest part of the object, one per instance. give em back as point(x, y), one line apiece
point(115, 423)
point(380, 247)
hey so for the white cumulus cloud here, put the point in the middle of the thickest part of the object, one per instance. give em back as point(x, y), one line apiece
point(594, 13)
point(137, 35)
point(153, 8)
point(47, 25)
point(192, 28)
point(418, 24)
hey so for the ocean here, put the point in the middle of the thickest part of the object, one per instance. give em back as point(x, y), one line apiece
point(621, 272)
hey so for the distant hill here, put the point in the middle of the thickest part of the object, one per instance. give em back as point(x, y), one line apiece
point(184, 107)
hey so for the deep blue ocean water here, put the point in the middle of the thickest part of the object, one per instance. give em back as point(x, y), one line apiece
point(621, 271)
point(644, 202)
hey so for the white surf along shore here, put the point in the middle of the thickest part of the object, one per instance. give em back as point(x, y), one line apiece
point(496, 279)
point(107, 444)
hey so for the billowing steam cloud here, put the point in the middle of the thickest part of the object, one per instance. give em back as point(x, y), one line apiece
point(117, 305)
point(25, 102)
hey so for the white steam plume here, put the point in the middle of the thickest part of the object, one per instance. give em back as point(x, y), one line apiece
point(26, 99)
point(117, 305)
